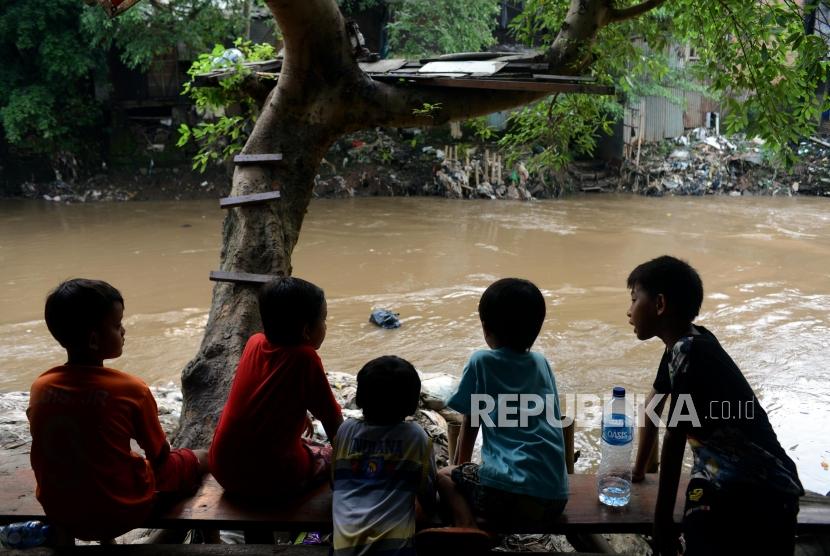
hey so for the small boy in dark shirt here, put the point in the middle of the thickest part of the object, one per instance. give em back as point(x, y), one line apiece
point(743, 494)
point(382, 464)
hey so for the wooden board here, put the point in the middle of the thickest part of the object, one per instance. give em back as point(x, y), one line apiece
point(473, 67)
point(211, 508)
point(382, 66)
point(517, 85)
point(210, 550)
point(564, 78)
point(253, 199)
point(177, 550)
point(240, 277)
point(257, 158)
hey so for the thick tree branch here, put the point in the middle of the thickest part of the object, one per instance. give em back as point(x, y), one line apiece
point(634, 11)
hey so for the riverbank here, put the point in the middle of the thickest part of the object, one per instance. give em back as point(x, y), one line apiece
point(405, 163)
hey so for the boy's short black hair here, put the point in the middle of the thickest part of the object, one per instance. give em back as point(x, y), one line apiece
point(76, 307)
point(287, 305)
point(512, 310)
point(388, 390)
point(675, 279)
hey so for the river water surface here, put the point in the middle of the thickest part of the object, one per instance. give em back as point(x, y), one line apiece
point(765, 264)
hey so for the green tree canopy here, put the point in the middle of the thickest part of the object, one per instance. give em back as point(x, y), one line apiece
point(46, 87)
point(753, 56)
point(54, 53)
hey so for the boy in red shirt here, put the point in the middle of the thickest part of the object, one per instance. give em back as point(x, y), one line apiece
point(258, 449)
point(83, 415)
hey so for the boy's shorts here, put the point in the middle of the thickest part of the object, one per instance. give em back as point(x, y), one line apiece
point(741, 521)
point(508, 509)
point(320, 455)
point(179, 474)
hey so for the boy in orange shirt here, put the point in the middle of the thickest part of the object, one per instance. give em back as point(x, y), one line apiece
point(82, 416)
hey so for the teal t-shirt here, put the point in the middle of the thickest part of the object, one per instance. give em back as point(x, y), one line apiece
point(520, 453)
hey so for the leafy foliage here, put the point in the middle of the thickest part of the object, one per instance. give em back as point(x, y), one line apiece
point(421, 28)
point(46, 88)
point(150, 29)
point(425, 27)
point(220, 136)
point(548, 133)
point(753, 56)
point(481, 128)
point(55, 55)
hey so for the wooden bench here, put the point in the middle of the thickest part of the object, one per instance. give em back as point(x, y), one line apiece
point(211, 508)
point(207, 550)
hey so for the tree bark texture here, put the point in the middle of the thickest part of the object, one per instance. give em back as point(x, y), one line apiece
point(321, 94)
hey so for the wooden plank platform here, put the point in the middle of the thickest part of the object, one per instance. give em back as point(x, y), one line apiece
point(240, 277)
point(253, 199)
point(257, 158)
point(498, 83)
point(209, 550)
point(210, 508)
point(176, 550)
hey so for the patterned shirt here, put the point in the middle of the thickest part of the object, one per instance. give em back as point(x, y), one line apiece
point(730, 435)
point(378, 471)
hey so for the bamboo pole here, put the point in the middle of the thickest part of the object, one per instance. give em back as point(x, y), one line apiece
point(568, 433)
point(640, 132)
point(453, 428)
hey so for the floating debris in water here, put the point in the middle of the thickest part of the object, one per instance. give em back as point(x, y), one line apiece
point(385, 318)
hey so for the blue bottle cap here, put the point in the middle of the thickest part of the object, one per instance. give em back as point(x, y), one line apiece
point(619, 392)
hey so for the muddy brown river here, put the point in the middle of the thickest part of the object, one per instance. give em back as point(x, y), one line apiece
point(765, 264)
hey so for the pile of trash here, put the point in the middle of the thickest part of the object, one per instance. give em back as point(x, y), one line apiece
point(402, 163)
point(60, 191)
point(699, 163)
point(477, 179)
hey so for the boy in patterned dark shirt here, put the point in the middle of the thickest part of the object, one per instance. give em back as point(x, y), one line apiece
point(742, 481)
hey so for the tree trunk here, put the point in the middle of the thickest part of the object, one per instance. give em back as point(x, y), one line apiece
point(321, 94)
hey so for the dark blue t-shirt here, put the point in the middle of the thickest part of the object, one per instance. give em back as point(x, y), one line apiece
point(731, 438)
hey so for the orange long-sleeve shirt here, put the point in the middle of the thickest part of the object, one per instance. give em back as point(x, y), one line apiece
point(88, 478)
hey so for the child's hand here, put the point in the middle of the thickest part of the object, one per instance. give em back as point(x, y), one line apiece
point(309, 427)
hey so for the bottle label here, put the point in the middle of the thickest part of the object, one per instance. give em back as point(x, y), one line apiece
point(615, 431)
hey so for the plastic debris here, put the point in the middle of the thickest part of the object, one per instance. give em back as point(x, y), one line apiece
point(385, 318)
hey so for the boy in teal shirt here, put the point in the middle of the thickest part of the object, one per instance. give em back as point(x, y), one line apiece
point(511, 391)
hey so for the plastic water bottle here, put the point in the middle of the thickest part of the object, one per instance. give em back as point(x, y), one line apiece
point(614, 477)
point(23, 535)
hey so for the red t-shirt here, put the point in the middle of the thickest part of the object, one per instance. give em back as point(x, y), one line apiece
point(257, 448)
point(82, 419)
